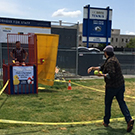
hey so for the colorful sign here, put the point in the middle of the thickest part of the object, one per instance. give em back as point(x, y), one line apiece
point(23, 75)
point(11, 25)
point(97, 25)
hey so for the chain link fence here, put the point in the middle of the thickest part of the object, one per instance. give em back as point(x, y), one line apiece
point(69, 60)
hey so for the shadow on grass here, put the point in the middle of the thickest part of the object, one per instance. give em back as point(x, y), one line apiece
point(23, 133)
point(117, 131)
point(3, 102)
point(47, 90)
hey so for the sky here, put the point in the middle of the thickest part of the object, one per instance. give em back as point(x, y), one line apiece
point(123, 17)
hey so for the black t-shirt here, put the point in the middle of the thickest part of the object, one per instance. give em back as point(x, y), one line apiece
point(19, 54)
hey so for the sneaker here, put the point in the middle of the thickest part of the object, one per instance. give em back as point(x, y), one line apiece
point(106, 125)
point(130, 125)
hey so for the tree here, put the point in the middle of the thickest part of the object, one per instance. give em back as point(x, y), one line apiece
point(101, 45)
point(131, 43)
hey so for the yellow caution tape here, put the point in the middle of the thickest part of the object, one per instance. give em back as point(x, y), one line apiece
point(59, 123)
point(4, 87)
point(129, 96)
point(41, 88)
point(99, 90)
point(60, 81)
point(87, 87)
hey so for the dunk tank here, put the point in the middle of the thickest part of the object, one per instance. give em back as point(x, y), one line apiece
point(39, 65)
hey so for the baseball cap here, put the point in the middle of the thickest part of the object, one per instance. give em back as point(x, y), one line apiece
point(108, 48)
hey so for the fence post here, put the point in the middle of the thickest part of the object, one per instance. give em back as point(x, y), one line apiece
point(77, 42)
point(0, 59)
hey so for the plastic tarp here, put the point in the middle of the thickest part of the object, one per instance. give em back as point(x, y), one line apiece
point(47, 47)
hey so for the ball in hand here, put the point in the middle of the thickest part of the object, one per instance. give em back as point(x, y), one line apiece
point(96, 72)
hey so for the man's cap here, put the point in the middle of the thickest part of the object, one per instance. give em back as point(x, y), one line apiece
point(108, 48)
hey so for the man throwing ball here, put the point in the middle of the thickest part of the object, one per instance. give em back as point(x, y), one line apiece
point(115, 86)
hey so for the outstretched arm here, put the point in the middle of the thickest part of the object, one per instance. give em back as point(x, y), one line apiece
point(97, 68)
point(92, 68)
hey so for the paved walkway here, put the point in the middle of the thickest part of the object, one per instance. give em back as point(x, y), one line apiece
point(89, 77)
point(94, 77)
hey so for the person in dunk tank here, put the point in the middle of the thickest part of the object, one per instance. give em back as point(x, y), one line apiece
point(17, 54)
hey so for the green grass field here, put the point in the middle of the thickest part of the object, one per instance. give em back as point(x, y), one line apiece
point(57, 104)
